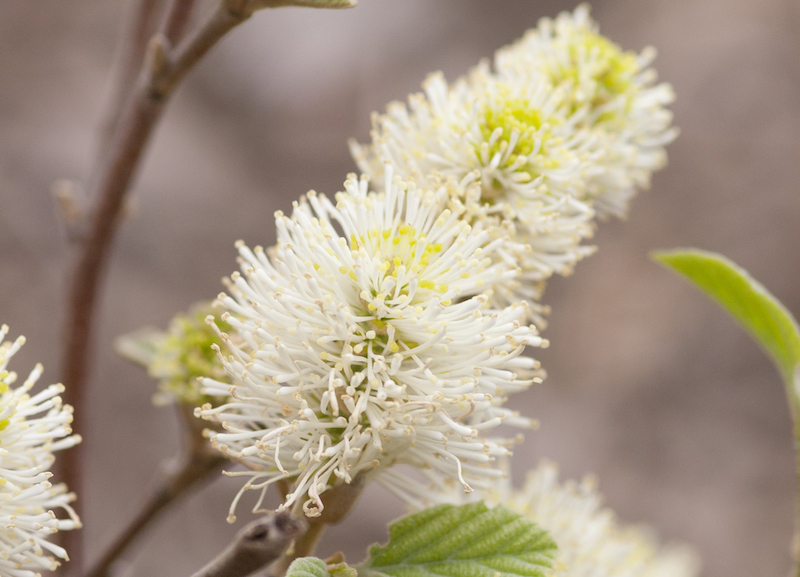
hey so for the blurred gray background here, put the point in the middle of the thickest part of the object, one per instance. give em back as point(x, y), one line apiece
point(651, 387)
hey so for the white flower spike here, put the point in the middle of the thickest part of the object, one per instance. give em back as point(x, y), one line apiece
point(591, 542)
point(31, 429)
point(610, 92)
point(566, 125)
point(367, 343)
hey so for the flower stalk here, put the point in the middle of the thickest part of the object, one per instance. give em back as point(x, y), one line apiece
point(338, 502)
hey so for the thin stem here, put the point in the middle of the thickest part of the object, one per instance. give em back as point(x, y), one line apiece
point(200, 463)
point(255, 546)
point(162, 70)
point(791, 382)
point(795, 545)
point(194, 471)
point(178, 16)
point(133, 132)
point(143, 26)
point(338, 502)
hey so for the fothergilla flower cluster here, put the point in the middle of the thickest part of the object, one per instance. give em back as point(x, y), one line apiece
point(390, 324)
point(32, 427)
point(368, 341)
point(564, 126)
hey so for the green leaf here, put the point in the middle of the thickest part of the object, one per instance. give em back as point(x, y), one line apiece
point(466, 541)
point(314, 567)
point(772, 325)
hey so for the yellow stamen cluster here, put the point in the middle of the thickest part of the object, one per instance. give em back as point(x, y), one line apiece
point(512, 114)
point(401, 252)
point(595, 59)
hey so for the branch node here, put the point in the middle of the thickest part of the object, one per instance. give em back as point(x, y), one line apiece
point(256, 545)
point(159, 65)
point(71, 206)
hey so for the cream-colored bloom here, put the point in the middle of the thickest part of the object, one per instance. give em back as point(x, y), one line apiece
point(565, 125)
point(31, 429)
point(609, 91)
point(591, 542)
point(368, 342)
point(515, 140)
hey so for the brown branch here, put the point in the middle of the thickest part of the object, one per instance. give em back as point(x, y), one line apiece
point(200, 463)
point(178, 16)
point(258, 544)
point(162, 71)
point(192, 474)
point(143, 26)
point(132, 135)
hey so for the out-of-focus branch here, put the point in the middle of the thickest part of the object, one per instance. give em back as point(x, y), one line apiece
point(149, 19)
point(143, 25)
point(255, 546)
point(164, 66)
point(201, 461)
point(177, 19)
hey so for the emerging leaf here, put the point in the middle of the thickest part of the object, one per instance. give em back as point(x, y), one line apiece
point(772, 325)
point(315, 567)
point(140, 346)
point(466, 541)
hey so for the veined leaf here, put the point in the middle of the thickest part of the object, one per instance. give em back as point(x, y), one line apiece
point(772, 325)
point(466, 541)
point(315, 567)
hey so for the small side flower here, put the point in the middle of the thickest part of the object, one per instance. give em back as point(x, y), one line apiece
point(610, 92)
point(32, 427)
point(179, 356)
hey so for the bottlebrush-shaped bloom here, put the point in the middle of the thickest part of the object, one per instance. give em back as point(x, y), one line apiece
point(591, 542)
point(565, 125)
point(31, 429)
point(368, 342)
point(609, 91)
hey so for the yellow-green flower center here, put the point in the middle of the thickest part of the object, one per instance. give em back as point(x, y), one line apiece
point(611, 68)
point(186, 354)
point(404, 254)
point(512, 114)
point(515, 116)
